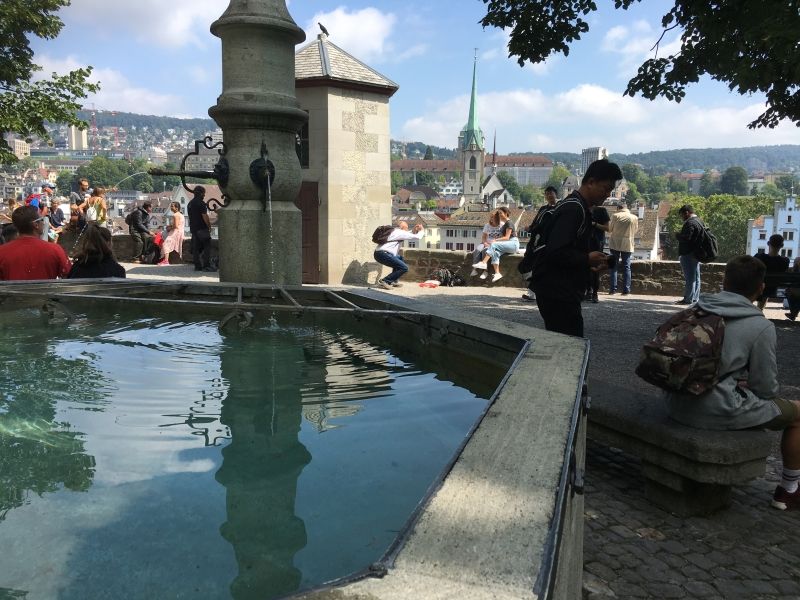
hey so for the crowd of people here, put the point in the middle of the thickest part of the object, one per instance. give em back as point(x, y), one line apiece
point(30, 230)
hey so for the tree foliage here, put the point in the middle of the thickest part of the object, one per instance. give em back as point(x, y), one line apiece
point(729, 40)
point(109, 173)
point(734, 181)
point(25, 103)
point(510, 183)
point(557, 176)
point(428, 154)
point(726, 216)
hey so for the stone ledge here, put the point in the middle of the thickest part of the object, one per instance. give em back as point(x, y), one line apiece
point(656, 278)
point(687, 470)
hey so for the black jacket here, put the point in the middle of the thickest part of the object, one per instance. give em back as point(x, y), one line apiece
point(565, 264)
point(689, 236)
point(139, 219)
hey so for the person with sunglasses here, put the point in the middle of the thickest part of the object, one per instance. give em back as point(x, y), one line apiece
point(28, 257)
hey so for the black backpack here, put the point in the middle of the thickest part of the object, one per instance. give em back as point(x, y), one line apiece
point(707, 246)
point(540, 231)
point(129, 218)
point(448, 278)
point(381, 235)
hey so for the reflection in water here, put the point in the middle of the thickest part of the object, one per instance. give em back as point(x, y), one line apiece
point(39, 454)
point(262, 463)
point(252, 406)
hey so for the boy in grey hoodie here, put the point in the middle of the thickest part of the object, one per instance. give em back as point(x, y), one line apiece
point(746, 396)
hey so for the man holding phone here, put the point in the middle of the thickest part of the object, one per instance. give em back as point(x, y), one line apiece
point(559, 280)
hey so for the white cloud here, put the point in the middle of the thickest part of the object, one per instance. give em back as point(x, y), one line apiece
point(174, 23)
point(116, 92)
point(635, 43)
point(586, 115)
point(363, 33)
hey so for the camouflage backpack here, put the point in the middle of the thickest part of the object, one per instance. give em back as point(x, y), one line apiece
point(685, 353)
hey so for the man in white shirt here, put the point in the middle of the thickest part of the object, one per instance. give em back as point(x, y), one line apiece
point(388, 254)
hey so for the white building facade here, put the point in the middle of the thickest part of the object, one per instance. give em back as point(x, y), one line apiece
point(783, 220)
point(589, 155)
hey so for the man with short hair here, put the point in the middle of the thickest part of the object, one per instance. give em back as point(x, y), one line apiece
point(774, 263)
point(82, 194)
point(200, 228)
point(747, 395)
point(621, 235)
point(559, 277)
point(28, 257)
point(689, 238)
point(142, 238)
point(388, 254)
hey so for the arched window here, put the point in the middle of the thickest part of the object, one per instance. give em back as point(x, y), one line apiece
point(473, 164)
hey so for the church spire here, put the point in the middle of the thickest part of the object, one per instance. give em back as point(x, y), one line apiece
point(472, 134)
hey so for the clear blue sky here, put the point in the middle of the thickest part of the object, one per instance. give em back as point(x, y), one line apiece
point(157, 57)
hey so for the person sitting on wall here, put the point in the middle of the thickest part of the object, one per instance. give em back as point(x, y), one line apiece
point(774, 263)
point(506, 243)
point(747, 395)
point(28, 257)
point(388, 254)
point(95, 257)
point(491, 231)
point(142, 238)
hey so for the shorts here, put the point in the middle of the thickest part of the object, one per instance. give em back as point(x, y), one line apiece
point(789, 412)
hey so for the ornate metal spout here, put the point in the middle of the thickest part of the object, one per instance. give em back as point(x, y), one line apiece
point(221, 171)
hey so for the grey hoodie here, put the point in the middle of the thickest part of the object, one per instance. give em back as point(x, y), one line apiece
point(748, 354)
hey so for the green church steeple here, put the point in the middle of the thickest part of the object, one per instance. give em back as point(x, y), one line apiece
point(471, 137)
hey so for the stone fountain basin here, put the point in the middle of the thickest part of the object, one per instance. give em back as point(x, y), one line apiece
point(506, 520)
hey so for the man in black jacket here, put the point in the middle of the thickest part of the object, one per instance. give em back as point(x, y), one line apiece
point(559, 278)
point(688, 243)
point(142, 238)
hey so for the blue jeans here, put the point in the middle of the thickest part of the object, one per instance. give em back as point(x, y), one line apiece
point(691, 278)
point(497, 249)
point(395, 263)
point(624, 261)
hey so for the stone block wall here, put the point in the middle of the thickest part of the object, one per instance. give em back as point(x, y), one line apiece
point(662, 278)
point(123, 247)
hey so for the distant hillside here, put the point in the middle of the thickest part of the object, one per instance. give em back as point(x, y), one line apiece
point(123, 119)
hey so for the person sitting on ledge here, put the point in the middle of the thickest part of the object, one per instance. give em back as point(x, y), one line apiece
point(94, 257)
point(747, 395)
point(506, 243)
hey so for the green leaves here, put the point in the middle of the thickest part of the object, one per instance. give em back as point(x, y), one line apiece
point(729, 40)
point(25, 105)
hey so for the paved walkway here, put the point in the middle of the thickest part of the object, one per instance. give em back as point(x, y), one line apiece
point(632, 549)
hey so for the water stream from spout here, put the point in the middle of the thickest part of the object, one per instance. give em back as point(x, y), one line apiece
point(271, 235)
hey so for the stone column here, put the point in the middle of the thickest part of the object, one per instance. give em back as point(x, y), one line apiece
point(258, 106)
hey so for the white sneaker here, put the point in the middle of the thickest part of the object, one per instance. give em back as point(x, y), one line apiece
point(479, 265)
point(474, 272)
point(384, 284)
point(496, 277)
point(483, 275)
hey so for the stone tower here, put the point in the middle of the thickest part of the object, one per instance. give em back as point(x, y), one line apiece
point(471, 150)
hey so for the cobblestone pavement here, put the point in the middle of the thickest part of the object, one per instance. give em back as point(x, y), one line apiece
point(633, 549)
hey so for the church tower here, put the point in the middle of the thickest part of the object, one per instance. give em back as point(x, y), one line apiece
point(471, 151)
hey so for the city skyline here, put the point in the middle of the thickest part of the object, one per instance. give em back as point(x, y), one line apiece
point(564, 104)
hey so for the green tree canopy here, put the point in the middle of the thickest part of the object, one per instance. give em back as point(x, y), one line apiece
point(726, 216)
point(729, 40)
point(786, 183)
point(428, 153)
point(708, 185)
point(26, 104)
point(510, 183)
point(734, 181)
point(557, 176)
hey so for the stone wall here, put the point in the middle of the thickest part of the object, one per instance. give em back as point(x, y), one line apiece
point(123, 247)
point(654, 278)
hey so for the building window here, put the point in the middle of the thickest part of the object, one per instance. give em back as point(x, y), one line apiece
point(788, 218)
point(429, 246)
point(762, 235)
point(448, 246)
point(789, 253)
point(474, 233)
point(788, 236)
point(302, 145)
point(465, 233)
point(438, 245)
point(459, 246)
point(449, 233)
point(412, 244)
point(762, 250)
point(473, 164)
point(470, 247)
